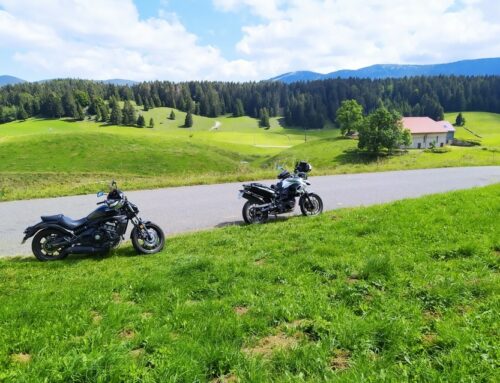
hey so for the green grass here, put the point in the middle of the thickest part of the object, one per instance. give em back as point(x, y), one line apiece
point(41, 158)
point(401, 292)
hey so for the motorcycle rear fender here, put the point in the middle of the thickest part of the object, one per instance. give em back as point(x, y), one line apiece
point(32, 230)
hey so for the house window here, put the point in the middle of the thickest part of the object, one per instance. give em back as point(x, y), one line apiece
point(437, 138)
point(441, 144)
point(419, 145)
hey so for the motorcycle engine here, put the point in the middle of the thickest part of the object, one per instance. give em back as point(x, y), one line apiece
point(106, 233)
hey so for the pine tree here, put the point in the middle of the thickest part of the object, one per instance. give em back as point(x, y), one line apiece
point(139, 99)
point(80, 116)
point(21, 113)
point(238, 108)
point(188, 123)
point(151, 123)
point(172, 115)
point(264, 118)
point(129, 116)
point(116, 114)
point(141, 122)
point(460, 120)
point(69, 105)
point(104, 108)
point(98, 115)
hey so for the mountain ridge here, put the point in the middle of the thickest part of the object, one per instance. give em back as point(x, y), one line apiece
point(12, 80)
point(474, 67)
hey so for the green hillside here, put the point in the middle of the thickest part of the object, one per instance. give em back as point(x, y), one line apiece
point(40, 157)
point(401, 292)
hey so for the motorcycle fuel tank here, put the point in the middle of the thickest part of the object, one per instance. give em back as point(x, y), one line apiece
point(101, 212)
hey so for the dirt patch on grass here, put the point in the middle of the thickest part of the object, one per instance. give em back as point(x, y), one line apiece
point(429, 339)
point(353, 278)
point(146, 315)
point(21, 357)
point(340, 360)
point(431, 315)
point(241, 310)
point(229, 378)
point(127, 334)
point(137, 352)
point(116, 297)
point(96, 317)
point(260, 262)
point(266, 346)
point(295, 324)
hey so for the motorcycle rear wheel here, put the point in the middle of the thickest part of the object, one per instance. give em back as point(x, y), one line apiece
point(251, 215)
point(41, 245)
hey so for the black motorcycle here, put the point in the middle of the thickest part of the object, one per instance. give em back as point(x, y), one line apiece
point(57, 236)
point(281, 198)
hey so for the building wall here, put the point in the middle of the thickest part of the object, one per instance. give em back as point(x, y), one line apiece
point(426, 139)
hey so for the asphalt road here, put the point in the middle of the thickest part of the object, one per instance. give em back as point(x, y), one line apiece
point(191, 208)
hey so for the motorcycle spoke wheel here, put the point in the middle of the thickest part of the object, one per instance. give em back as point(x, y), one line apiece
point(252, 214)
point(311, 205)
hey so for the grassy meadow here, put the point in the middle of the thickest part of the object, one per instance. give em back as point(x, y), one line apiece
point(41, 158)
point(363, 294)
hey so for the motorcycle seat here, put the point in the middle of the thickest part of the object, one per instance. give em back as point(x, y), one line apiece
point(64, 221)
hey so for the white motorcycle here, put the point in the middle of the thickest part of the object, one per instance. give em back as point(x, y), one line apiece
point(281, 198)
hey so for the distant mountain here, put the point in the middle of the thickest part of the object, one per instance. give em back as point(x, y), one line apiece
point(10, 80)
point(120, 81)
point(478, 67)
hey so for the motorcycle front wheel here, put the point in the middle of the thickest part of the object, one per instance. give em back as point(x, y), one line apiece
point(151, 245)
point(252, 215)
point(312, 204)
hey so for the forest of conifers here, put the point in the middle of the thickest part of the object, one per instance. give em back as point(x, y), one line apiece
point(304, 104)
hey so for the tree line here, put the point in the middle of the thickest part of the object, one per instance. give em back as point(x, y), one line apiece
point(307, 105)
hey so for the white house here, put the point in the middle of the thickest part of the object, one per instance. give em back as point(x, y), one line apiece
point(426, 132)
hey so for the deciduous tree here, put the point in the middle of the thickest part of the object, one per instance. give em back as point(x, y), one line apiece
point(349, 117)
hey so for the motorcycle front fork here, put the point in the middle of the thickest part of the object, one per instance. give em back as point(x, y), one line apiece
point(143, 230)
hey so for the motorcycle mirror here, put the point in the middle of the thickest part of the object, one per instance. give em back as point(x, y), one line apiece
point(100, 193)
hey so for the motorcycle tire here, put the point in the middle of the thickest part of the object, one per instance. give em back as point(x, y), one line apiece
point(38, 245)
point(144, 247)
point(249, 215)
point(312, 205)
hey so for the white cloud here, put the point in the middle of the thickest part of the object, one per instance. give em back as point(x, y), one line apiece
point(336, 34)
point(105, 38)
point(266, 9)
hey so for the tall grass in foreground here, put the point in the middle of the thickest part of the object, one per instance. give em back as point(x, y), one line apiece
point(407, 291)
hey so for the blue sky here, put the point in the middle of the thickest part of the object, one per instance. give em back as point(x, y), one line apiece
point(212, 26)
point(236, 40)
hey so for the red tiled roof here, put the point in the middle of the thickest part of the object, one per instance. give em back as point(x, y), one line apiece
point(422, 125)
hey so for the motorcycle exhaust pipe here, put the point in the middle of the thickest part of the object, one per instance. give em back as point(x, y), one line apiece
point(83, 250)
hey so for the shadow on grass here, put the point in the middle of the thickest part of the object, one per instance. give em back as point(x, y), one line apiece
point(356, 156)
point(124, 251)
point(272, 219)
